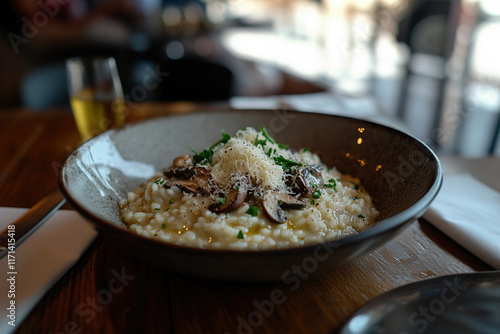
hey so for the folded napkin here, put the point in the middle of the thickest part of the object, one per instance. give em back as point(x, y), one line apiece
point(40, 261)
point(468, 212)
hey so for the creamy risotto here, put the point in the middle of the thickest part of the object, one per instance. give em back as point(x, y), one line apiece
point(248, 192)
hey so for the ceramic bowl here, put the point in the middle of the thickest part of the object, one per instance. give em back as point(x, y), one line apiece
point(402, 174)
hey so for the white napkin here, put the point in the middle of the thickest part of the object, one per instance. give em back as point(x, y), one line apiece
point(40, 260)
point(468, 211)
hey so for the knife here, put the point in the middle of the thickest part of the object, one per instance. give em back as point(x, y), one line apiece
point(14, 234)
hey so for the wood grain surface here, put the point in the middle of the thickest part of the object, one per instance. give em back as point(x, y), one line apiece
point(108, 291)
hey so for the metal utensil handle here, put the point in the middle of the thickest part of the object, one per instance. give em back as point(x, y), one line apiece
point(25, 225)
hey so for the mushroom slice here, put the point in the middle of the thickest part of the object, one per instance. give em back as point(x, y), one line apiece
point(306, 178)
point(188, 172)
point(182, 161)
point(191, 178)
point(233, 200)
point(200, 172)
point(314, 174)
point(274, 202)
point(180, 167)
point(191, 186)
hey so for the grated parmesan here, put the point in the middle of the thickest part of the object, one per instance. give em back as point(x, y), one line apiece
point(240, 155)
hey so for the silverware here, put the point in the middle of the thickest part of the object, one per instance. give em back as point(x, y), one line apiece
point(461, 303)
point(12, 237)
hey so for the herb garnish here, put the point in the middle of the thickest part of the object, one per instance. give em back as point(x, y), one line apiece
point(160, 181)
point(163, 226)
point(221, 200)
point(253, 211)
point(282, 146)
point(224, 140)
point(205, 156)
point(261, 142)
point(317, 194)
point(285, 163)
point(332, 184)
point(268, 137)
point(270, 151)
point(202, 157)
point(264, 133)
point(240, 235)
point(361, 216)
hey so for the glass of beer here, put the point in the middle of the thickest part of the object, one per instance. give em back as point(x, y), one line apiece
point(96, 95)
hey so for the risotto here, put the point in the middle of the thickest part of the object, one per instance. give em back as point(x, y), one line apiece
point(248, 192)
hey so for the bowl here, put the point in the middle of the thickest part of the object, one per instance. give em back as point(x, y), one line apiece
point(401, 173)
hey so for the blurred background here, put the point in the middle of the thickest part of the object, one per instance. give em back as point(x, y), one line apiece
point(432, 65)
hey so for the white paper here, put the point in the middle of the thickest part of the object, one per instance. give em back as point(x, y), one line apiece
point(468, 212)
point(40, 261)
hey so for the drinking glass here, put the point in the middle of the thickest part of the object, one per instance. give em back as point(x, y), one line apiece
point(96, 95)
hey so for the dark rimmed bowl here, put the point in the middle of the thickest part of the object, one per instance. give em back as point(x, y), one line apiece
point(402, 174)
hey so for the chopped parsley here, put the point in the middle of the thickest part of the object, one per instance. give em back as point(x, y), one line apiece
point(317, 194)
point(202, 157)
point(157, 208)
point(253, 211)
point(224, 140)
point(221, 200)
point(261, 142)
point(356, 186)
point(332, 184)
point(271, 140)
point(240, 235)
point(264, 133)
point(361, 216)
point(205, 156)
point(171, 201)
point(160, 181)
point(285, 163)
point(313, 202)
point(270, 151)
point(166, 209)
point(163, 226)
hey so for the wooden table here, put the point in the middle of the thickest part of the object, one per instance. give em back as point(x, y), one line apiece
point(158, 301)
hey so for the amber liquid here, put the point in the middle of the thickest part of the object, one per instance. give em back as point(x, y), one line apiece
point(95, 113)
